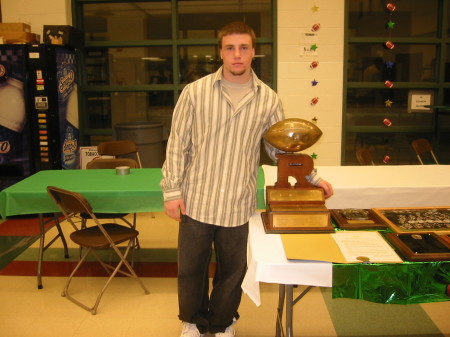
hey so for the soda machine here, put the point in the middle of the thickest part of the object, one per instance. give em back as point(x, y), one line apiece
point(38, 110)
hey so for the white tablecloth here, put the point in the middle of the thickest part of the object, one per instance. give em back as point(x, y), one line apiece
point(382, 186)
point(354, 187)
point(267, 262)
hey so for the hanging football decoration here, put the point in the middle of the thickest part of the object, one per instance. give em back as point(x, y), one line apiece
point(389, 84)
point(389, 45)
point(390, 7)
point(315, 27)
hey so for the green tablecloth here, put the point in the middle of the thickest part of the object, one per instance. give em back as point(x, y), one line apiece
point(106, 191)
point(405, 283)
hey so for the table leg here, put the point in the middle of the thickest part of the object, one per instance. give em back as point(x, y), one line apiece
point(41, 250)
point(289, 305)
point(279, 324)
point(286, 297)
point(43, 247)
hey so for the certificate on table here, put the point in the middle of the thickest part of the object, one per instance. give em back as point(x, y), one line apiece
point(340, 247)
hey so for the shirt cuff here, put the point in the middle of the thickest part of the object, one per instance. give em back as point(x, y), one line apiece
point(172, 195)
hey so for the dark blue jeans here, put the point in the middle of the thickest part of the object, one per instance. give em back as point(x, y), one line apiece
point(216, 311)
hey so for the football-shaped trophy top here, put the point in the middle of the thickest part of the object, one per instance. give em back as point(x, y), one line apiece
point(293, 135)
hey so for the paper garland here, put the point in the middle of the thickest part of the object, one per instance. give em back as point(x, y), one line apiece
point(314, 64)
point(389, 45)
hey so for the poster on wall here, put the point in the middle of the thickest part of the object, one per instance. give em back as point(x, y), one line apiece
point(420, 101)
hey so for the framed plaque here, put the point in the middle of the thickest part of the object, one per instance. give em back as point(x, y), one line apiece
point(355, 218)
point(297, 222)
point(418, 219)
point(420, 246)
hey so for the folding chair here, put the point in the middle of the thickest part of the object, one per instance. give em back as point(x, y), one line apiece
point(421, 147)
point(99, 236)
point(119, 148)
point(364, 156)
point(110, 164)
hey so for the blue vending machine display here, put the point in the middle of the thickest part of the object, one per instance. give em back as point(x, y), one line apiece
point(38, 110)
point(53, 106)
point(67, 107)
point(15, 151)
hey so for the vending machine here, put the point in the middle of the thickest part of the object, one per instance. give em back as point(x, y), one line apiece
point(38, 110)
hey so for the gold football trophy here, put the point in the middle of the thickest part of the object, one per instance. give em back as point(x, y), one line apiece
point(299, 208)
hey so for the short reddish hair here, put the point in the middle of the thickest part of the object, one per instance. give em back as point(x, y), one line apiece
point(236, 27)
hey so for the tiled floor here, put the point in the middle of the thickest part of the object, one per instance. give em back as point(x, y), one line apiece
point(126, 312)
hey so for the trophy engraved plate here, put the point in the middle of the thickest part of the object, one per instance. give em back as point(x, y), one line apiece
point(300, 219)
point(295, 195)
point(299, 208)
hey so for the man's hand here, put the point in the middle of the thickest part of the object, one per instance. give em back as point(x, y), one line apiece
point(174, 208)
point(327, 188)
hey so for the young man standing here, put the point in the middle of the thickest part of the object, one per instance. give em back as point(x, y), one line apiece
point(209, 181)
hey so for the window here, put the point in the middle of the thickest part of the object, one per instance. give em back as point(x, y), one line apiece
point(139, 55)
point(393, 51)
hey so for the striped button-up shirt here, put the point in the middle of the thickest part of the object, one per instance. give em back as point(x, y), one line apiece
point(214, 148)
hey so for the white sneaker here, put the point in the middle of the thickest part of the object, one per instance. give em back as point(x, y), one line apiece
point(229, 332)
point(190, 330)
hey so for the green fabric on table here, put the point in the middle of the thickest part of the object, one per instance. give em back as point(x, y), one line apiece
point(261, 191)
point(402, 283)
point(107, 192)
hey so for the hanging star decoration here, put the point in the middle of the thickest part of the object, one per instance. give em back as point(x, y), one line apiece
point(314, 83)
point(389, 64)
point(315, 119)
point(388, 103)
point(390, 24)
point(314, 47)
point(315, 9)
point(314, 155)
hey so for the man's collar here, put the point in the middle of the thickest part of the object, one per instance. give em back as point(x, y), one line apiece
point(219, 74)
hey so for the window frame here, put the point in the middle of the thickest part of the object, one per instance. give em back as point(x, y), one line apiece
point(442, 41)
point(175, 43)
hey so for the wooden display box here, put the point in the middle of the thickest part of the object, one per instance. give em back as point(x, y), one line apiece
point(420, 246)
point(14, 27)
point(357, 219)
point(296, 210)
point(417, 219)
point(19, 37)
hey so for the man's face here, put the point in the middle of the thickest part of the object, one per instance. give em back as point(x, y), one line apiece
point(237, 54)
